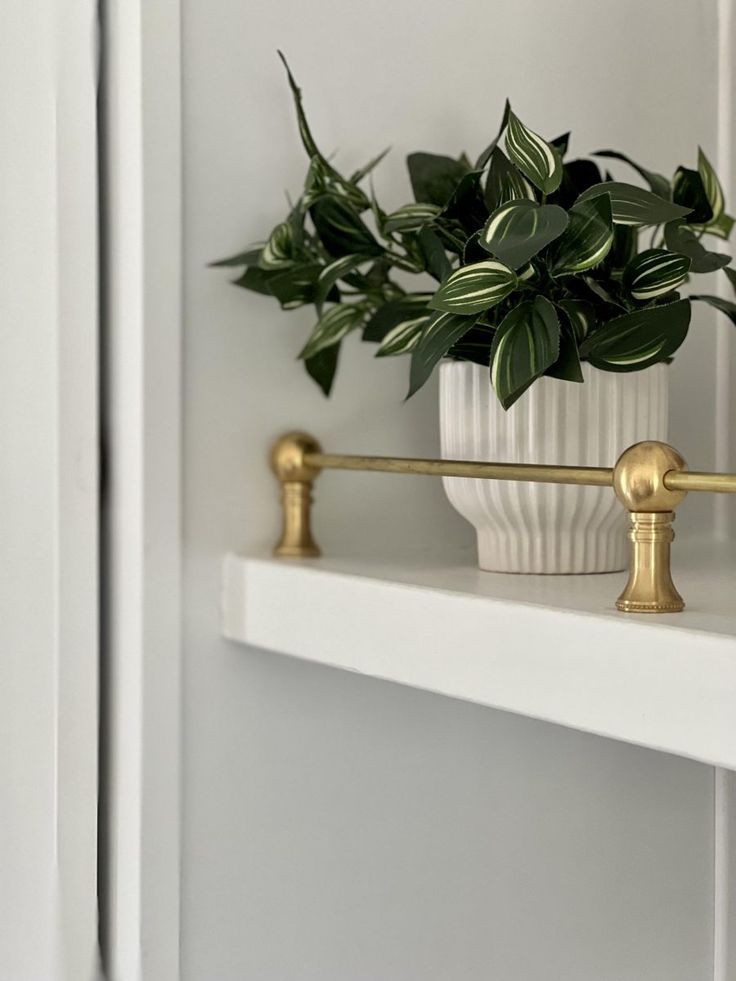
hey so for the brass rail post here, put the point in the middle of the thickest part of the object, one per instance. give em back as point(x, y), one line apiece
point(296, 477)
point(639, 482)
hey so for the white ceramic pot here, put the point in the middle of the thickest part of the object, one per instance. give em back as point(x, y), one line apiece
point(547, 528)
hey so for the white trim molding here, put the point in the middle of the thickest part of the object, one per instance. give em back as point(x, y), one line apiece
point(142, 316)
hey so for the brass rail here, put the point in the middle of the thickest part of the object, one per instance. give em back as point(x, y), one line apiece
point(650, 479)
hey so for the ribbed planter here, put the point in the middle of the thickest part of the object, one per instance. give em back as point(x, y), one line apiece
point(547, 528)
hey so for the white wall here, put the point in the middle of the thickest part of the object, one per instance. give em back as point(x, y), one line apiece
point(334, 827)
point(48, 492)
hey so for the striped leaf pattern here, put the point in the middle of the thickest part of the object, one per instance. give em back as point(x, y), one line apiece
point(526, 343)
point(276, 253)
point(505, 183)
point(535, 158)
point(439, 334)
point(403, 338)
point(519, 230)
point(632, 205)
point(655, 272)
point(476, 287)
point(588, 237)
point(410, 218)
point(334, 272)
point(581, 316)
point(640, 339)
point(332, 327)
point(713, 189)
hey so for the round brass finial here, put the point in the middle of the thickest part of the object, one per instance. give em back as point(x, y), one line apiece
point(287, 457)
point(638, 477)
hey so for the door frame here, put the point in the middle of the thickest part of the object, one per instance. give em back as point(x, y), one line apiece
point(140, 111)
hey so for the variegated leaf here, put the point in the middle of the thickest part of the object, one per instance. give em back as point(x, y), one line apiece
point(505, 183)
point(519, 230)
point(587, 239)
point(581, 316)
point(525, 345)
point(276, 253)
point(332, 327)
point(403, 338)
point(363, 172)
point(473, 288)
point(438, 336)
point(332, 273)
point(640, 339)
point(394, 312)
point(682, 238)
point(712, 185)
point(632, 205)
point(410, 217)
point(655, 272)
point(535, 158)
point(721, 227)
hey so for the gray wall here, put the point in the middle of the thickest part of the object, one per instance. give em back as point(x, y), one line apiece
point(337, 828)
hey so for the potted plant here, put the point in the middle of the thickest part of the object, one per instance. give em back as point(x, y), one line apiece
point(546, 292)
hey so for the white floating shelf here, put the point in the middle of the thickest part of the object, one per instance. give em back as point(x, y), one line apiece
point(547, 647)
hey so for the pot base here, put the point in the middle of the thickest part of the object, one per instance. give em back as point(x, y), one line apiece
point(552, 553)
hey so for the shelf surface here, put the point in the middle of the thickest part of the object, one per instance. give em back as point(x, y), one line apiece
point(547, 647)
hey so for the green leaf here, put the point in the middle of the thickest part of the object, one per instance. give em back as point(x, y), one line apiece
point(534, 157)
point(363, 172)
point(295, 286)
point(587, 239)
point(712, 185)
point(466, 204)
point(731, 274)
point(561, 144)
point(332, 327)
point(323, 365)
point(725, 306)
point(504, 182)
point(580, 315)
point(657, 183)
point(341, 229)
point(332, 273)
point(526, 344)
point(577, 176)
point(410, 217)
point(567, 366)
point(640, 339)
point(433, 252)
point(439, 334)
point(519, 230)
point(473, 288)
point(392, 313)
point(486, 155)
point(251, 257)
point(403, 338)
point(256, 280)
point(654, 273)
point(682, 238)
point(434, 177)
point(631, 205)
point(474, 346)
point(353, 192)
point(277, 253)
point(623, 250)
point(689, 191)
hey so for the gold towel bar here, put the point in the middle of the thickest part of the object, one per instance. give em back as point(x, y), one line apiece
point(650, 479)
